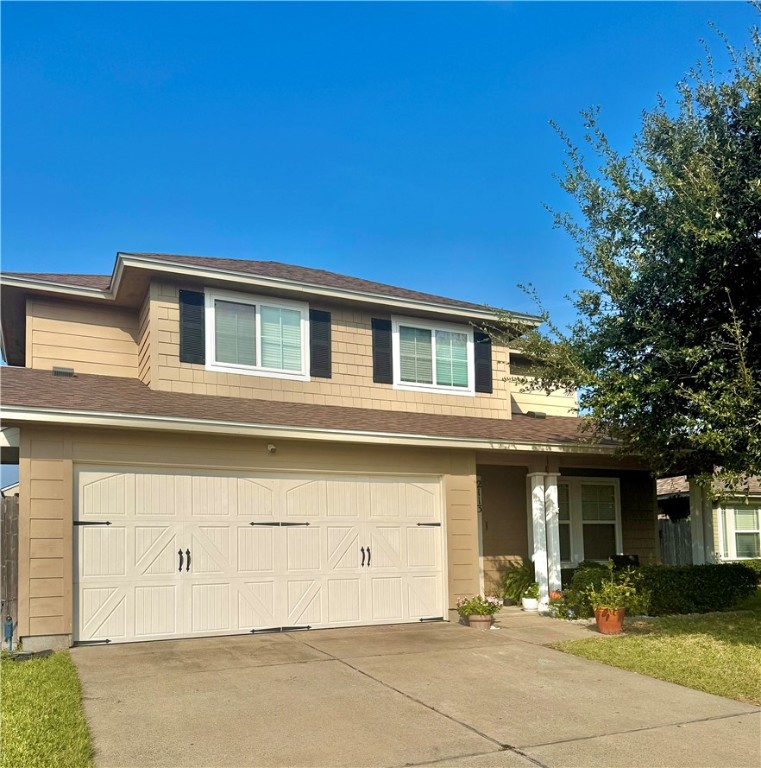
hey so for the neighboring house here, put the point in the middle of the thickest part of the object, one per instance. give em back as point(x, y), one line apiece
point(216, 446)
point(730, 529)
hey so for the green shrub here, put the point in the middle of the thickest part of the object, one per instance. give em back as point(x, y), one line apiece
point(516, 579)
point(575, 603)
point(677, 589)
point(588, 579)
point(754, 565)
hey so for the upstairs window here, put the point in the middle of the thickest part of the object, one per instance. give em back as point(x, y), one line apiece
point(257, 335)
point(432, 357)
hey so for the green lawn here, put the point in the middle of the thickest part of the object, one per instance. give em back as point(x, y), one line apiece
point(41, 714)
point(714, 652)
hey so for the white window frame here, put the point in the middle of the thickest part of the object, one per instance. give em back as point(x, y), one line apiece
point(416, 322)
point(257, 301)
point(577, 522)
point(727, 530)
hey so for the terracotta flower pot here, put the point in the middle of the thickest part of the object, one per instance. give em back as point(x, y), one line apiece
point(609, 622)
point(480, 622)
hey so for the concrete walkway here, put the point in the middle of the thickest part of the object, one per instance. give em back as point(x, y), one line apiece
point(431, 694)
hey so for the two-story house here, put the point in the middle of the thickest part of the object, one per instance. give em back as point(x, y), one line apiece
point(214, 446)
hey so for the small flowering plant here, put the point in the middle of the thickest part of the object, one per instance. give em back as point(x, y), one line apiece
point(532, 591)
point(478, 606)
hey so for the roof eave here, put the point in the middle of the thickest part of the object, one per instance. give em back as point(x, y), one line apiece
point(28, 283)
point(30, 415)
point(163, 265)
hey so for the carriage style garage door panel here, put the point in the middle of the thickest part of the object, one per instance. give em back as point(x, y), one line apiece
point(173, 553)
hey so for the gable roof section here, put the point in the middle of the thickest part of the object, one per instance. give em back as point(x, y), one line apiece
point(287, 273)
point(27, 392)
point(306, 276)
point(132, 272)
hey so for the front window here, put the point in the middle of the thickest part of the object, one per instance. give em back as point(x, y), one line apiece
point(598, 513)
point(741, 532)
point(256, 335)
point(589, 519)
point(433, 357)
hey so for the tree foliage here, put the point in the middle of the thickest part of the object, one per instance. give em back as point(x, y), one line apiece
point(666, 351)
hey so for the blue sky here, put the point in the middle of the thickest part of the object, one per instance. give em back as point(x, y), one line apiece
point(404, 143)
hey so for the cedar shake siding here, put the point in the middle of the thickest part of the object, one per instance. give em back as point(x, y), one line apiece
point(144, 358)
point(351, 383)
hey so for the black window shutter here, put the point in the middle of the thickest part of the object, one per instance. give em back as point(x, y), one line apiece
point(319, 344)
point(192, 332)
point(383, 365)
point(482, 348)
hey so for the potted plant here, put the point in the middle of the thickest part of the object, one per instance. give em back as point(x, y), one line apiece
point(479, 611)
point(530, 597)
point(515, 579)
point(609, 602)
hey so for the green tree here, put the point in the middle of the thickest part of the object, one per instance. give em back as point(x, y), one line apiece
point(666, 351)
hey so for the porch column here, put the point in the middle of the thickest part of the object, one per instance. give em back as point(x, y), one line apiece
point(539, 529)
point(696, 523)
point(551, 510)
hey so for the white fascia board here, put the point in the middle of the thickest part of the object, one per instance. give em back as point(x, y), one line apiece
point(204, 273)
point(21, 414)
point(42, 285)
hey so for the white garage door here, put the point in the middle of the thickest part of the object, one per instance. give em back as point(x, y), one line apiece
point(173, 553)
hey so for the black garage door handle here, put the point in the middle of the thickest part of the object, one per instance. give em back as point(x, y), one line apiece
point(179, 552)
point(187, 567)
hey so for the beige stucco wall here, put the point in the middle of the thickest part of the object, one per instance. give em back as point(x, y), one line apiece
point(86, 337)
point(351, 383)
point(46, 469)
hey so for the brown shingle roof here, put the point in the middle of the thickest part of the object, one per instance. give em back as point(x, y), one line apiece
point(678, 486)
point(81, 281)
point(321, 277)
point(33, 388)
point(271, 269)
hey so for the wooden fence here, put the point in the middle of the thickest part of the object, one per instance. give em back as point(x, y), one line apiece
point(676, 541)
point(9, 562)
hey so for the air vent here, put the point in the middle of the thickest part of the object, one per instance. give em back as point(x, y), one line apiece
point(66, 373)
point(536, 414)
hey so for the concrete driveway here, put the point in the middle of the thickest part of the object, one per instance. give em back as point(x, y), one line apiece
point(431, 694)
